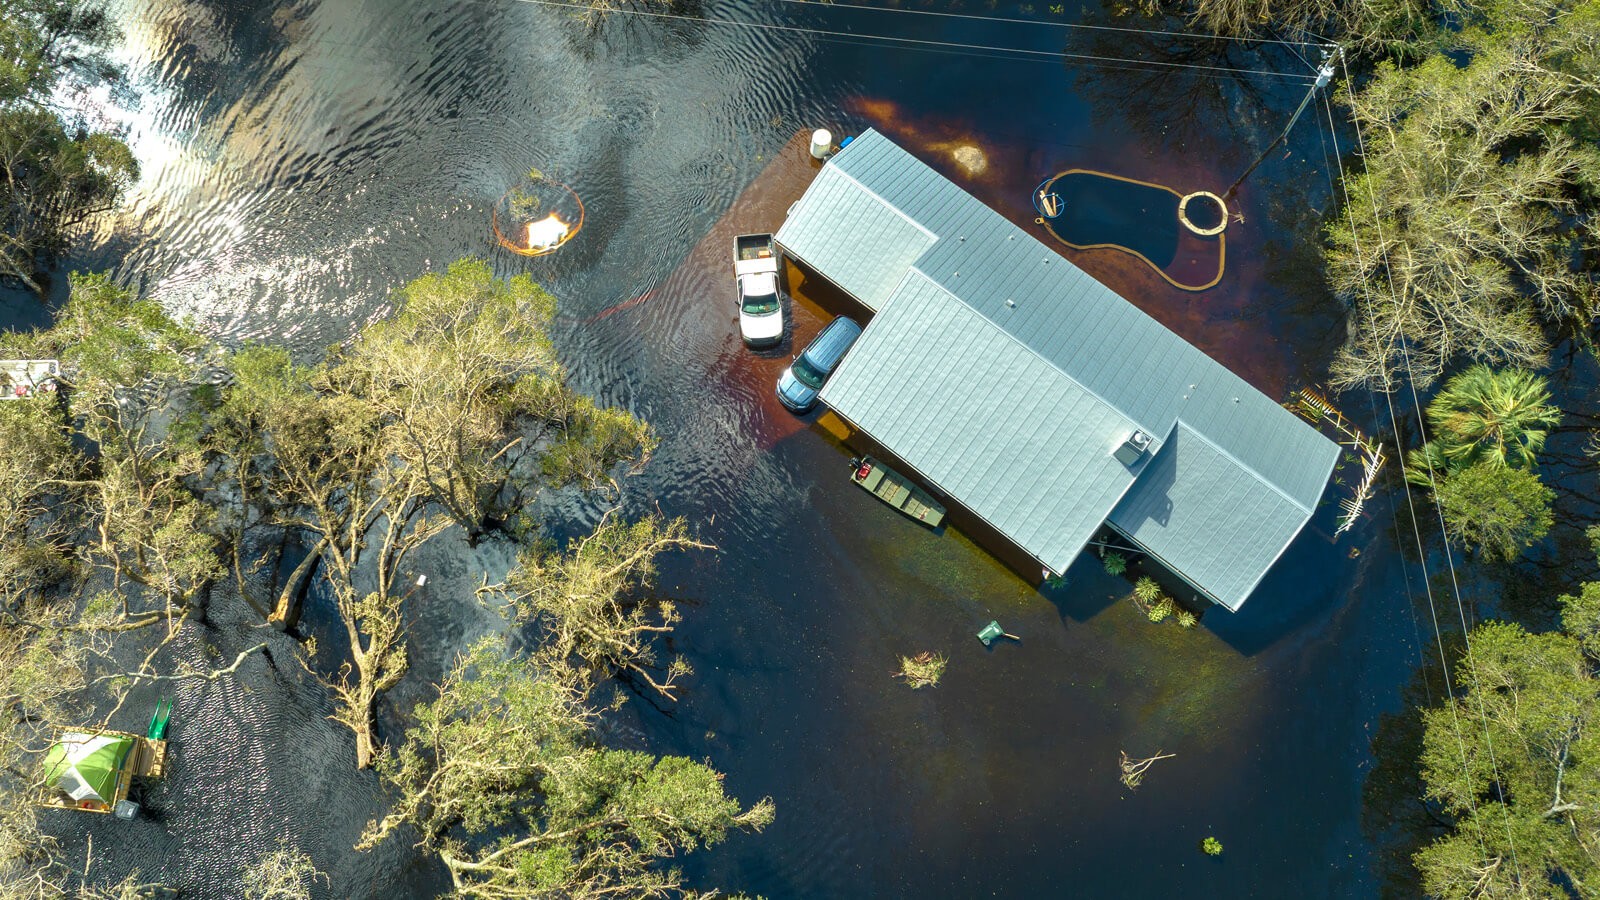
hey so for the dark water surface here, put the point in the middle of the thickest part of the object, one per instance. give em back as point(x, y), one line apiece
point(304, 158)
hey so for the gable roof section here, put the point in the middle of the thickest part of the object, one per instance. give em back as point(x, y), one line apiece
point(860, 242)
point(1080, 342)
point(1208, 517)
point(1042, 473)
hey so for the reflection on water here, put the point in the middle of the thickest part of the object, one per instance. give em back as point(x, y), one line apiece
point(303, 158)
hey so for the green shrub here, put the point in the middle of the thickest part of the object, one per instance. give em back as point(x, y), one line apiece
point(1146, 591)
point(1159, 610)
point(1211, 846)
point(1114, 562)
point(1187, 619)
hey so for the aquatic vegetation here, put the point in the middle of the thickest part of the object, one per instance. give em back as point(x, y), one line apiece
point(1211, 846)
point(1160, 609)
point(1115, 563)
point(1151, 601)
point(1146, 591)
point(923, 670)
point(523, 205)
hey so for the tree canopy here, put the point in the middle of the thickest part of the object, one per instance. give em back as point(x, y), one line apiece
point(1514, 765)
point(1464, 232)
point(58, 169)
point(502, 776)
point(1486, 428)
point(166, 464)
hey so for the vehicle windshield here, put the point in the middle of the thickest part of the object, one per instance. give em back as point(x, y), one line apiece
point(761, 304)
point(808, 374)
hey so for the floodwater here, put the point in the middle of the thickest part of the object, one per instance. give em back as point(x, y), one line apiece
point(304, 157)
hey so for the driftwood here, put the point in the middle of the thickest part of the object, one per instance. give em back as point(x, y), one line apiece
point(1133, 769)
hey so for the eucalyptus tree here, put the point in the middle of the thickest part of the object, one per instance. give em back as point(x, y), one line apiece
point(106, 481)
point(502, 777)
point(128, 370)
point(475, 402)
point(453, 411)
point(38, 471)
point(592, 602)
point(1511, 763)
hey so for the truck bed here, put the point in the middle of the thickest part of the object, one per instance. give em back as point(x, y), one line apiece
point(752, 246)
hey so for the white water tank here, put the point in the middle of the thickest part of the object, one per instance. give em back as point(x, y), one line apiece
point(821, 143)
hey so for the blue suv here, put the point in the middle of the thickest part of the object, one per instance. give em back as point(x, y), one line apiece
point(799, 384)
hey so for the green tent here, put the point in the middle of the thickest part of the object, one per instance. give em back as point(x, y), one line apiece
point(85, 766)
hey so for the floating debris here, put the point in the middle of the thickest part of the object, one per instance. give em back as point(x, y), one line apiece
point(993, 632)
point(1317, 409)
point(548, 233)
point(24, 378)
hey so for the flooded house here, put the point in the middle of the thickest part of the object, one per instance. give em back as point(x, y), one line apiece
point(1034, 396)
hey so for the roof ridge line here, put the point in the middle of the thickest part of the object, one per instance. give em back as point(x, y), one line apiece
point(1248, 468)
point(887, 205)
point(915, 267)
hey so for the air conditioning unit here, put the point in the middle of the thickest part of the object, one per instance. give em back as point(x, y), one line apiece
point(1130, 451)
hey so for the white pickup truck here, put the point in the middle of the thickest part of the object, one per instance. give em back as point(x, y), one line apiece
point(755, 269)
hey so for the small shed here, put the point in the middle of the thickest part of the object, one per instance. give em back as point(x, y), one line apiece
point(93, 771)
point(1034, 395)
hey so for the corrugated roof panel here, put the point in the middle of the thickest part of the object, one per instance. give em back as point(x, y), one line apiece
point(1208, 518)
point(852, 236)
point(1048, 445)
point(1067, 351)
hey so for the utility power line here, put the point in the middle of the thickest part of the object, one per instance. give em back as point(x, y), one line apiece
point(1455, 587)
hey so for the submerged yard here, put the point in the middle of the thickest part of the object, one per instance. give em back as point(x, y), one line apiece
point(303, 159)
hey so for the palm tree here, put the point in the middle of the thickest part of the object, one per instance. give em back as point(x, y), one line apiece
point(1483, 415)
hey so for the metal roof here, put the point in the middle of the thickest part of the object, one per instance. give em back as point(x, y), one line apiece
point(943, 355)
point(1208, 517)
point(1006, 376)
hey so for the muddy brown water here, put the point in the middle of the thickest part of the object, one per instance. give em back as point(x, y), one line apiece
point(302, 159)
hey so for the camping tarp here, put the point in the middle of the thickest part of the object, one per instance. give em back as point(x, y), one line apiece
point(84, 766)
